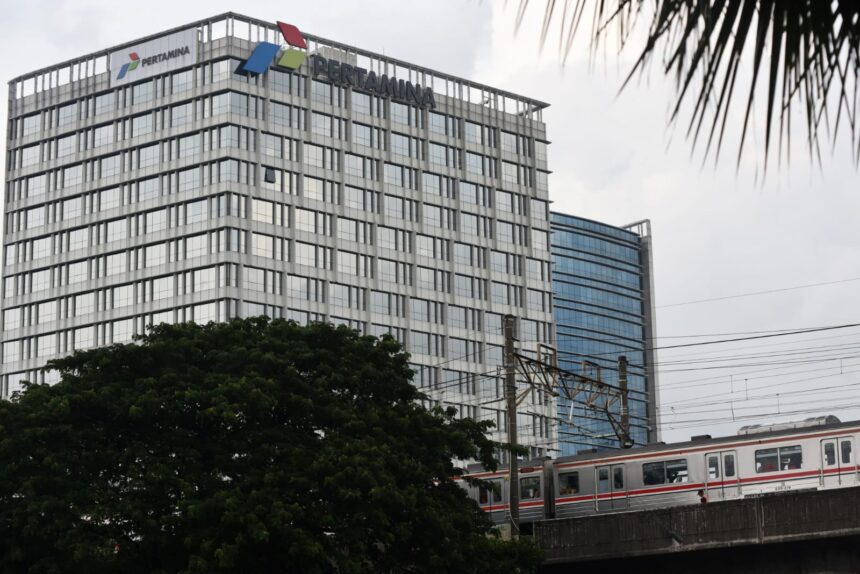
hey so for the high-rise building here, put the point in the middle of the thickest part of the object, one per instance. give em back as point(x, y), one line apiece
point(235, 167)
point(604, 309)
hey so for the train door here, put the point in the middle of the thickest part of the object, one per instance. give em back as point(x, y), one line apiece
point(611, 489)
point(838, 467)
point(494, 501)
point(722, 480)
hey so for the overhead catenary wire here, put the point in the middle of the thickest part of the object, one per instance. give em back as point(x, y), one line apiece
point(757, 293)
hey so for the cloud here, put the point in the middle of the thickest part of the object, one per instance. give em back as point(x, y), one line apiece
point(717, 230)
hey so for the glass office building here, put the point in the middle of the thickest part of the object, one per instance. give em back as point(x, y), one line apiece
point(603, 296)
point(172, 178)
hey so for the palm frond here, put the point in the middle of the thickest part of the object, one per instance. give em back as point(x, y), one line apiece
point(807, 53)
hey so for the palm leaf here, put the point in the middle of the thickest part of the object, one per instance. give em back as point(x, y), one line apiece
point(805, 52)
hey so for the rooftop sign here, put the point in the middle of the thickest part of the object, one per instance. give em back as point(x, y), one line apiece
point(344, 74)
point(154, 57)
point(339, 73)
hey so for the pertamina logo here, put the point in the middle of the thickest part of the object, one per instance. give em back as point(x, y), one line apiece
point(339, 73)
point(135, 60)
point(259, 60)
point(150, 60)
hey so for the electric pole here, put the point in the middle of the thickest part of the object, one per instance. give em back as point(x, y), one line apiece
point(511, 398)
point(626, 440)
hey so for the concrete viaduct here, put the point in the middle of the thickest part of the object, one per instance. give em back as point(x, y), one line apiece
point(813, 532)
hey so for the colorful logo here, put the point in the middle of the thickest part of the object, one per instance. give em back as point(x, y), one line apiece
point(135, 60)
point(259, 60)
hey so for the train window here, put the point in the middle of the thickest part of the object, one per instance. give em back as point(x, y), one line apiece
point(713, 467)
point(618, 478)
point(530, 488)
point(829, 453)
point(603, 480)
point(653, 473)
point(766, 460)
point(790, 457)
point(674, 471)
point(493, 494)
point(729, 463)
point(568, 483)
point(783, 458)
point(846, 451)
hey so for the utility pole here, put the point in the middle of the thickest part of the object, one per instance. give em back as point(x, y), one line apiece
point(626, 440)
point(511, 399)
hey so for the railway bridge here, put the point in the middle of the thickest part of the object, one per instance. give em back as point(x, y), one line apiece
point(813, 532)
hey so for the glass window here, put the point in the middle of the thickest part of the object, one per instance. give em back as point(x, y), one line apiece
point(568, 483)
point(766, 460)
point(148, 156)
point(491, 494)
point(313, 155)
point(509, 142)
point(399, 113)
point(618, 478)
point(84, 304)
point(181, 114)
point(47, 312)
point(845, 449)
point(46, 345)
point(360, 102)
point(790, 457)
point(141, 125)
point(713, 467)
point(321, 124)
point(109, 198)
point(103, 135)
point(672, 471)
point(182, 81)
point(142, 92)
point(729, 461)
point(29, 155)
point(32, 124)
point(529, 488)
point(473, 133)
point(603, 480)
point(829, 454)
point(196, 245)
point(361, 134)
point(321, 92)
point(67, 114)
point(652, 473)
point(77, 272)
point(676, 471)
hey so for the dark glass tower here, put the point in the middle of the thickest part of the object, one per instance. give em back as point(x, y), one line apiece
point(602, 285)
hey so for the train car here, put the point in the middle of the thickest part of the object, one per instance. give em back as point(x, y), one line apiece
point(534, 486)
point(813, 454)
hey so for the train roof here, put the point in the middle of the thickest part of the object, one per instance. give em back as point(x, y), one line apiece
point(696, 442)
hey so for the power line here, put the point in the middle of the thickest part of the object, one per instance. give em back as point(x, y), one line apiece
point(756, 293)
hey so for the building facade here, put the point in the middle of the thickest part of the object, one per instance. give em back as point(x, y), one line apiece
point(200, 174)
point(604, 308)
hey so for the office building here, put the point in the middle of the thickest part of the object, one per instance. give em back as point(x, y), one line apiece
point(604, 308)
point(235, 167)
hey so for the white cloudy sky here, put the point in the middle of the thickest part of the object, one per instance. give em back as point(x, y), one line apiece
point(718, 230)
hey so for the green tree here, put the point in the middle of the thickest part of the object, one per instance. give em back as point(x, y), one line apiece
point(254, 446)
point(807, 53)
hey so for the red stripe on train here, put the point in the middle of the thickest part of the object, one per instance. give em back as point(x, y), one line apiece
point(697, 486)
point(529, 504)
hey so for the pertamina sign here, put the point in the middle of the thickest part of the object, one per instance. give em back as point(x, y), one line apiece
point(342, 74)
point(155, 57)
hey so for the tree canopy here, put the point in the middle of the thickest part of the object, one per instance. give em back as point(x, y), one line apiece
point(253, 445)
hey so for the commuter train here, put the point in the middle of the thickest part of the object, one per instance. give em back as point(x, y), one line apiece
point(814, 454)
